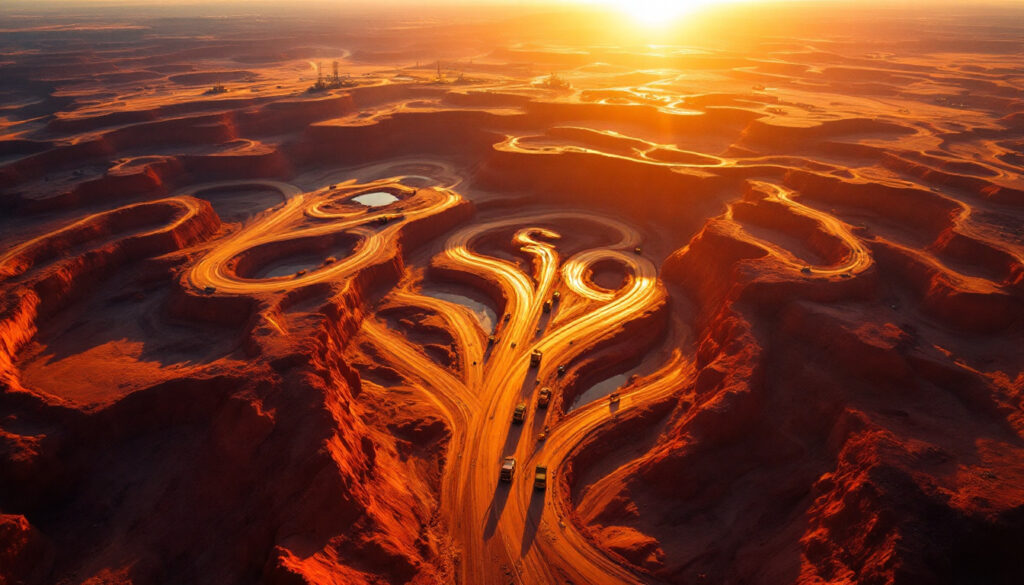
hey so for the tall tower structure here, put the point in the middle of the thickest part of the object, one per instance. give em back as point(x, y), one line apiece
point(336, 77)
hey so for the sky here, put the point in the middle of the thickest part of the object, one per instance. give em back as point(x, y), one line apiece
point(650, 11)
point(502, 2)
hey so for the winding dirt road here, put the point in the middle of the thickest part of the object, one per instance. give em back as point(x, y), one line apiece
point(376, 230)
point(491, 521)
point(501, 531)
point(514, 531)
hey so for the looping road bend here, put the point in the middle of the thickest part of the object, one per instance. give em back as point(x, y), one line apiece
point(375, 230)
point(500, 532)
point(510, 531)
point(497, 528)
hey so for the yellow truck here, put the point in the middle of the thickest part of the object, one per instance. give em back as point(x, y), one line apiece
point(540, 478)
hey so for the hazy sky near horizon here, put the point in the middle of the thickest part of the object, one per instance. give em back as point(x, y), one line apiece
point(651, 7)
point(364, 3)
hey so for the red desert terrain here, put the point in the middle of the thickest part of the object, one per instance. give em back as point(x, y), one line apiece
point(748, 290)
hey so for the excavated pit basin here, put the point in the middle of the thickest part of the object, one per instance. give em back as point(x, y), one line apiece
point(599, 390)
point(291, 265)
point(483, 313)
point(237, 204)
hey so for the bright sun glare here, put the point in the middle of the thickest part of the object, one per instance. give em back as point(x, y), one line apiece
point(658, 12)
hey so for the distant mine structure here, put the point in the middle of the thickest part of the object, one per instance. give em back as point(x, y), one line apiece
point(441, 78)
point(333, 81)
point(554, 81)
point(217, 89)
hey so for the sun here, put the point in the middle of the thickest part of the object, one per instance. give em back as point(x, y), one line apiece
point(658, 12)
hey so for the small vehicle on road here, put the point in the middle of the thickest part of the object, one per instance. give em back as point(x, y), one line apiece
point(519, 415)
point(540, 478)
point(547, 306)
point(638, 250)
point(490, 340)
point(543, 434)
point(613, 398)
point(561, 370)
point(557, 296)
point(507, 317)
point(508, 469)
point(385, 219)
point(544, 397)
point(535, 357)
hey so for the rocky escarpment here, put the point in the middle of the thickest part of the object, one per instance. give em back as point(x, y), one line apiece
point(843, 430)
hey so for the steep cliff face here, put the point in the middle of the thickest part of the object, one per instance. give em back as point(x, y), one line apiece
point(838, 428)
point(155, 433)
point(265, 472)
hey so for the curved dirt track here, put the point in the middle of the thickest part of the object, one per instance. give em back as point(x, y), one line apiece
point(375, 239)
point(485, 399)
point(516, 528)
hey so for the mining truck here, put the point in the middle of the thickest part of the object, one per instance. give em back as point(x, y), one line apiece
point(519, 415)
point(508, 469)
point(540, 478)
point(544, 398)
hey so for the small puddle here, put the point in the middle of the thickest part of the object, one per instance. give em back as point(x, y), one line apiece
point(484, 314)
point(375, 199)
point(599, 390)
